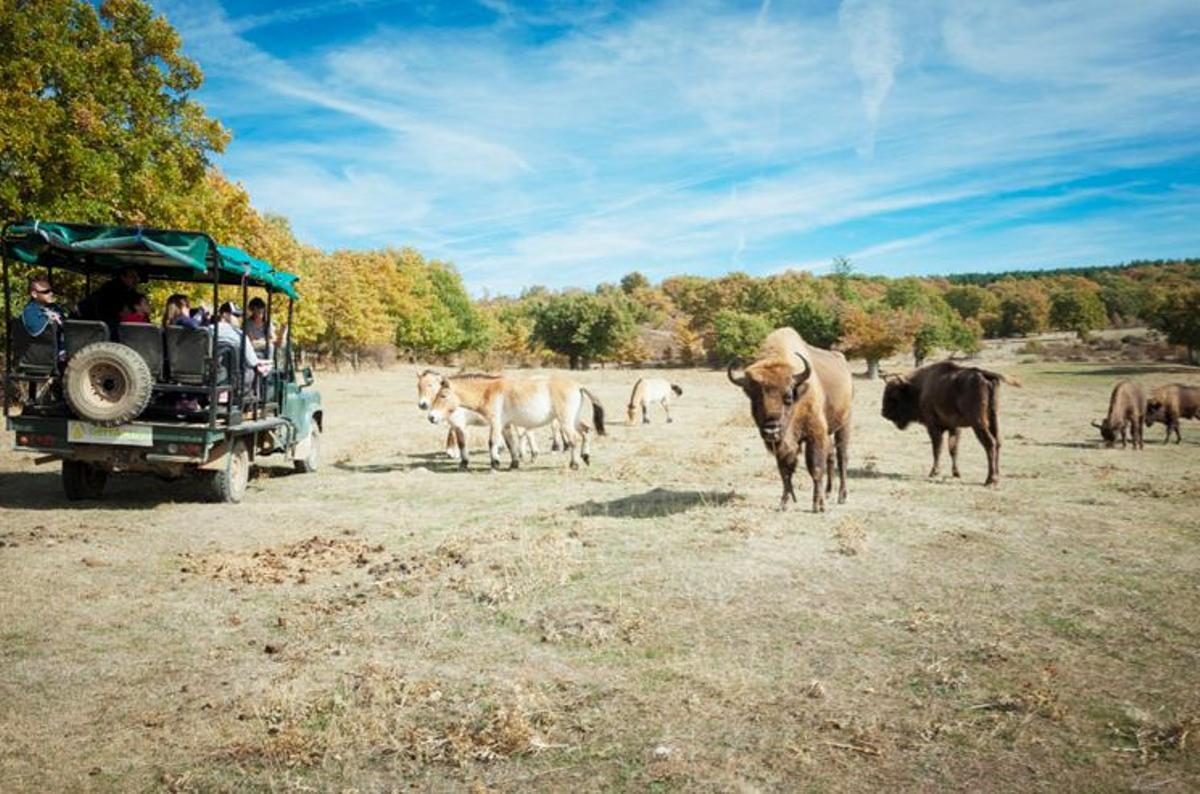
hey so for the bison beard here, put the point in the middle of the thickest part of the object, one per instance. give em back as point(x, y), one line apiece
point(946, 397)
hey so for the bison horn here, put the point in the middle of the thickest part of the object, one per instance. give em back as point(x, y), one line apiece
point(739, 382)
point(803, 376)
point(1097, 425)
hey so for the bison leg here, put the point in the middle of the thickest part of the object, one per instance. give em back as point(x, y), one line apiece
point(1175, 424)
point(993, 453)
point(843, 460)
point(787, 468)
point(829, 469)
point(954, 434)
point(814, 458)
point(935, 440)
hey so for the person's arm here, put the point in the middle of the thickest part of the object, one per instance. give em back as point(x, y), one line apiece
point(34, 318)
point(251, 357)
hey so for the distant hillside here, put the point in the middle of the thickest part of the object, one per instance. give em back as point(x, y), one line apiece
point(1089, 272)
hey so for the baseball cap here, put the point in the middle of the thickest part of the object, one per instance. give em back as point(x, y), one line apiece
point(231, 307)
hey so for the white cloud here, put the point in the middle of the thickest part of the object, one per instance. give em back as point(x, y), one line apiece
point(699, 136)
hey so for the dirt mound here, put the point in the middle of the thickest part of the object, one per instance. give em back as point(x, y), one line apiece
point(290, 563)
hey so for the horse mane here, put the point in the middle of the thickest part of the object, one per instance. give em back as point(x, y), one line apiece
point(475, 376)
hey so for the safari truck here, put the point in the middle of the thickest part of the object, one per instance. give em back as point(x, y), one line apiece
point(105, 398)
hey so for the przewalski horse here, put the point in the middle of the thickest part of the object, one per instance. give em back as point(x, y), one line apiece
point(652, 390)
point(506, 403)
point(801, 396)
point(948, 397)
point(1126, 409)
point(1168, 404)
point(428, 383)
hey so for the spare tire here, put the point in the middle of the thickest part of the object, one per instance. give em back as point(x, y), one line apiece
point(107, 383)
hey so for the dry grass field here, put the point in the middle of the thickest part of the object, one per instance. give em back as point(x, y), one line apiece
point(652, 623)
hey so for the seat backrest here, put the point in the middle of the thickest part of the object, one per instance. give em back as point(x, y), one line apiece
point(77, 334)
point(147, 340)
point(187, 351)
point(34, 355)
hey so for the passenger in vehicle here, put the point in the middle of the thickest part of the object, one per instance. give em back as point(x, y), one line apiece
point(41, 310)
point(109, 301)
point(229, 333)
point(177, 311)
point(258, 330)
point(137, 311)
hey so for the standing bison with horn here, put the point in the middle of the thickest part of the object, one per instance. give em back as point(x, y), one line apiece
point(800, 397)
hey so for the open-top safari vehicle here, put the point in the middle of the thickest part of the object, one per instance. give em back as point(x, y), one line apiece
point(140, 397)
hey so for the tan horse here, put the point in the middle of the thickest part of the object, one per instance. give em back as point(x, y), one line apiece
point(428, 383)
point(648, 391)
point(507, 403)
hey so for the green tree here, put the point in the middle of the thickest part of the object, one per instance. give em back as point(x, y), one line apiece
point(97, 121)
point(582, 326)
point(843, 269)
point(817, 321)
point(632, 282)
point(1077, 309)
point(738, 335)
point(1177, 314)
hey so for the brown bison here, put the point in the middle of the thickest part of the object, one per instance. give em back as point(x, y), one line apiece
point(947, 397)
point(1168, 404)
point(1126, 408)
point(801, 396)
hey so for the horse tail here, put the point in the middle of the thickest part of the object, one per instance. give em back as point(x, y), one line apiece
point(633, 396)
point(675, 387)
point(597, 411)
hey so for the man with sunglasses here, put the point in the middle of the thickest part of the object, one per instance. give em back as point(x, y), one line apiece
point(41, 310)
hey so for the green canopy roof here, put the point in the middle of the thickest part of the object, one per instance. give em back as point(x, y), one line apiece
point(156, 253)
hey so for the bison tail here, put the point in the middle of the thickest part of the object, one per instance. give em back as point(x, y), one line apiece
point(597, 411)
point(1001, 377)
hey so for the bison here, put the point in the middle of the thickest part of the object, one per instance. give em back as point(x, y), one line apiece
point(947, 397)
point(1168, 404)
point(1126, 408)
point(800, 396)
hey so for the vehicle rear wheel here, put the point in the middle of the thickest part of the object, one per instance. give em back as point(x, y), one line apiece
point(107, 383)
point(310, 462)
point(83, 480)
point(228, 483)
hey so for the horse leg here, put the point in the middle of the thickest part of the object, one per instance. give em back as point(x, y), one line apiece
point(451, 443)
point(666, 404)
point(460, 437)
point(495, 432)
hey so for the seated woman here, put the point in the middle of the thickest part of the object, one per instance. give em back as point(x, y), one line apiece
point(177, 311)
point(137, 311)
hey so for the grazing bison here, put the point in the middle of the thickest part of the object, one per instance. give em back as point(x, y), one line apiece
point(800, 396)
point(1126, 408)
point(947, 397)
point(1168, 404)
point(648, 391)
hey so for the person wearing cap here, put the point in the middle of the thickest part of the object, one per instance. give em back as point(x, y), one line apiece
point(229, 333)
point(110, 300)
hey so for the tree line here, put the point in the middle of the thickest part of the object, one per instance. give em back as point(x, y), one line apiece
point(100, 126)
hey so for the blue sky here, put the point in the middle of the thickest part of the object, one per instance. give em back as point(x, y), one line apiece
point(566, 143)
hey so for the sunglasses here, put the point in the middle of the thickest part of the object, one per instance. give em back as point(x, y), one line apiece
point(44, 291)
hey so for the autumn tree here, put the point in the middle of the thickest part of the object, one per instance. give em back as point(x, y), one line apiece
point(874, 333)
point(1023, 308)
point(98, 121)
